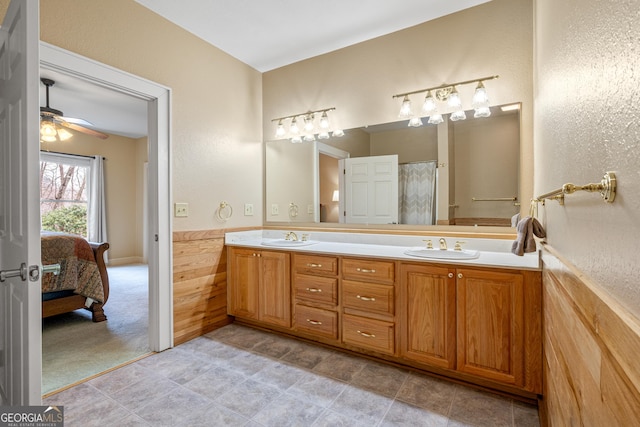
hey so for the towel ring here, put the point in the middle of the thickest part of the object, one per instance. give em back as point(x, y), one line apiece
point(224, 211)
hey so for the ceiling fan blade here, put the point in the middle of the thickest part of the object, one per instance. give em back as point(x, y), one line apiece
point(77, 121)
point(84, 130)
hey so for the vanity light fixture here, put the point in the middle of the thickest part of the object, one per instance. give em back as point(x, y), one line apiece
point(448, 93)
point(309, 129)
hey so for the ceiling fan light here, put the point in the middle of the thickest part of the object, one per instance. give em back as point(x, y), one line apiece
point(64, 134)
point(47, 129)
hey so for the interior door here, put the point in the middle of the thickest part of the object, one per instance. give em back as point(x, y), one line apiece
point(371, 186)
point(20, 305)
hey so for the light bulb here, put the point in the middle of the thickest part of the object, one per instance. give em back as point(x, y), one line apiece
point(405, 109)
point(308, 123)
point(429, 106)
point(337, 133)
point(309, 137)
point(64, 134)
point(296, 139)
point(415, 122)
point(48, 130)
point(480, 98)
point(324, 120)
point(280, 132)
point(458, 115)
point(323, 135)
point(454, 99)
point(293, 129)
point(482, 112)
point(435, 119)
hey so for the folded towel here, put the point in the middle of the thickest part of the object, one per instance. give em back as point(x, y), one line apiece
point(527, 228)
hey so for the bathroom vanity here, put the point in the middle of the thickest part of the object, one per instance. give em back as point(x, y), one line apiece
point(472, 315)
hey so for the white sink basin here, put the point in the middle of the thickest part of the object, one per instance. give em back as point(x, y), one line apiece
point(442, 254)
point(283, 243)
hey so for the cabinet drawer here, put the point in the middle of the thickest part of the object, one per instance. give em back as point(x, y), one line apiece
point(368, 333)
point(369, 297)
point(368, 270)
point(316, 264)
point(316, 321)
point(316, 288)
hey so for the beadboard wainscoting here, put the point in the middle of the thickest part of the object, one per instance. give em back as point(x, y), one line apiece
point(199, 283)
point(591, 347)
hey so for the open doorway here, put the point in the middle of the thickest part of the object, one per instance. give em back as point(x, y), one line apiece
point(157, 230)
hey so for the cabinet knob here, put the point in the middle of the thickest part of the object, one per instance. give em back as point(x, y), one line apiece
point(450, 275)
point(460, 276)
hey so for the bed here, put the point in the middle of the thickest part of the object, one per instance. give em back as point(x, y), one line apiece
point(82, 282)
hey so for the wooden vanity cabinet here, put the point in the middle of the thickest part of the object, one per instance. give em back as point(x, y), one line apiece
point(428, 314)
point(368, 297)
point(259, 286)
point(483, 322)
point(315, 295)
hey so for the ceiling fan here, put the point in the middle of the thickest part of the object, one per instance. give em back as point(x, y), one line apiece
point(51, 120)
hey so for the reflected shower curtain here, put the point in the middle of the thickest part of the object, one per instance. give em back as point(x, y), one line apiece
point(417, 182)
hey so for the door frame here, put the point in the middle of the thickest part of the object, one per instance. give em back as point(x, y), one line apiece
point(159, 229)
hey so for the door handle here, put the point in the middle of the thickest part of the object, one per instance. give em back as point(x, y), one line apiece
point(22, 272)
point(51, 268)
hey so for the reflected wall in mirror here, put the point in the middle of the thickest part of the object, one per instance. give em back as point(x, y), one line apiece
point(454, 173)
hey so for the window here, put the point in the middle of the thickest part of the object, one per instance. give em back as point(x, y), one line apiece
point(64, 193)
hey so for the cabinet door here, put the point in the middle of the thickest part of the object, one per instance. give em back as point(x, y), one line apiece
point(491, 325)
point(428, 314)
point(275, 290)
point(242, 295)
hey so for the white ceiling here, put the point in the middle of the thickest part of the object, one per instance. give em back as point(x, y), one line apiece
point(263, 34)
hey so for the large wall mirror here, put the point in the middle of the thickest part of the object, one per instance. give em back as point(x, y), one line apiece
point(454, 173)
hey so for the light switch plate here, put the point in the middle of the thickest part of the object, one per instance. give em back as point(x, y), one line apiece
point(248, 209)
point(310, 209)
point(181, 209)
point(274, 209)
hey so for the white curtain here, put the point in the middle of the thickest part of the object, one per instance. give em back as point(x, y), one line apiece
point(417, 182)
point(97, 209)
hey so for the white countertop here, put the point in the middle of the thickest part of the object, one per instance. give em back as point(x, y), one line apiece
point(492, 252)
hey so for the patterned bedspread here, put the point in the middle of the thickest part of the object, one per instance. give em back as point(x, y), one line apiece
point(78, 269)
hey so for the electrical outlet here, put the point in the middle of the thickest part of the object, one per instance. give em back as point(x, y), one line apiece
point(181, 209)
point(310, 209)
point(248, 209)
point(274, 209)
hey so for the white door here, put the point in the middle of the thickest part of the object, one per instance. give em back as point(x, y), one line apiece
point(20, 305)
point(371, 186)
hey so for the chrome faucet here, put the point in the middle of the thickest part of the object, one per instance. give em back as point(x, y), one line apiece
point(443, 244)
point(291, 236)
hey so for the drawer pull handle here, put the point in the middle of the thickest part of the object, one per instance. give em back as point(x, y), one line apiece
point(366, 335)
point(313, 265)
point(314, 322)
point(363, 298)
point(365, 270)
point(314, 290)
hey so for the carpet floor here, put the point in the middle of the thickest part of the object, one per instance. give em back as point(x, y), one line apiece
point(75, 348)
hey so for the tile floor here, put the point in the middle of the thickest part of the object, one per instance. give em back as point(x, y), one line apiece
point(238, 376)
